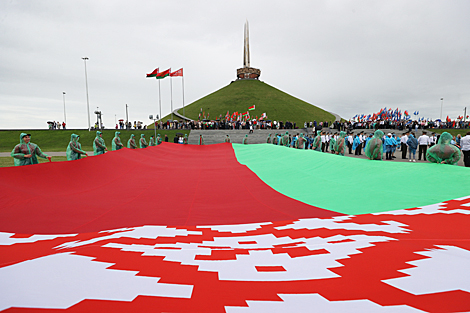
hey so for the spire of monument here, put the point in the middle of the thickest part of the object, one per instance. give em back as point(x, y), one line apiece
point(246, 51)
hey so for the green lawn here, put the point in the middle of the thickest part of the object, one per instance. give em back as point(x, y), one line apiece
point(8, 161)
point(57, 140)
point(453, 132)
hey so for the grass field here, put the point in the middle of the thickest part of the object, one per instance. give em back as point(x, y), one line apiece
point(8, 161)
point(240, 95)
point(57, 140)
point(453, 132)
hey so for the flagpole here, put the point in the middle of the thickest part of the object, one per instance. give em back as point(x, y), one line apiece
point(160, 99)
point(171, 96)
point(182, 77)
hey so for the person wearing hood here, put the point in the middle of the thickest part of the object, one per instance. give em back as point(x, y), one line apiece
point(185, 140)
point(159, 140)
point(268, 140)
point(99, 147)
point(317, 142)
point(357, 145)
point(131, 142)
point(227, 139)
point(332, 144)
point(279, 140)
point(374, 147)
point(143, 142)
point(339, 145)
point(152, 141)
point(117, 144)
point(389, 142)
point(412, 144)
point(26, 152)
point(285, 140)
point(74, 149)
point(444, 152)
point(245, 140)
point(201, 140)
point(301, 141)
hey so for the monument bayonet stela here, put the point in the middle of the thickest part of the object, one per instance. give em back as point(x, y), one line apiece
point(247, 72)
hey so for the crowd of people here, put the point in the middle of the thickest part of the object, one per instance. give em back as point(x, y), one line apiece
point(443, 149)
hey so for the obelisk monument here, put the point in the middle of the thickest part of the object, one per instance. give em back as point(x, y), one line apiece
point(247, 72)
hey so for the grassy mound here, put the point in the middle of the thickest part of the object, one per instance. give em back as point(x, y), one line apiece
point(240, 95)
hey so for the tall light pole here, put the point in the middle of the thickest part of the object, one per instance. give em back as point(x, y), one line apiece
point(65, 118)
point(87, 100)
point(442, 102)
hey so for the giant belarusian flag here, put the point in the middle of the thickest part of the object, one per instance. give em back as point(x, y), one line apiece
point(253, 228)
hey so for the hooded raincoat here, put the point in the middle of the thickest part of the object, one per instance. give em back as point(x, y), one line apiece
point(131, 142)
point(99, 147)
point(285, 140)
point(245, 140)
point(317, 142)
point(116, 144)
point(152, 141)
point(143, 142)
point(443, 152)
point(374, 148)
point(20, 150)
point(185, 139)
point(339, 144)
point(74, 149)
point(159, 139)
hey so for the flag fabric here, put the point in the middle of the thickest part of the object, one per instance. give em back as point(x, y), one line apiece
point(242, 255)
point(163, 74)
point(177, 73)
point(154, 73)
point(251, 108)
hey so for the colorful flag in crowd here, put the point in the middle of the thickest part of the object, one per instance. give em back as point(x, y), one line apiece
point(251, 108)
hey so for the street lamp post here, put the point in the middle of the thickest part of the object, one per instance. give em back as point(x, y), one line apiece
point(442, 102)
point(63, 96)
point(87, 100)
point(154, 124)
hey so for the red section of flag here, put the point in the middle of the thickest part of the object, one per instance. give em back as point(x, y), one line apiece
point(163, 74)
point(177, 73)
point(154, 73)
point(251, 108)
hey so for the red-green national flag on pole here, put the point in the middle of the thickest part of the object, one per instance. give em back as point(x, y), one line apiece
point(154, 73)
point(251, 108)
point(246, 114)
point(177, 73)
point(163, 74)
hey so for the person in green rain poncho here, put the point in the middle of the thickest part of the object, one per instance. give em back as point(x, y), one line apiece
point(74, 149)
point(317, 142)
point(300, 142)
point(143, 142)
point(332, 145)
point(444, 152)
point(245, 140)
point(117, 144)
point(285, 140)
point(131, 142)
point(227, 139)
point(268, 140)
point(374, 147)
point(201, 140)
point(339, 144)
point(185, 139)
point(159, 139)
point(26, 152)
point(152, 141)
point(99, 147)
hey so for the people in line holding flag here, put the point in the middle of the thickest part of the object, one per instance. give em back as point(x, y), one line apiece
point(227, 139)
point(301, 141)
point(201, 140)
point(152, 141)
point(317, 142)
point(404, 145)
point(389, 143)
point(26, 152)
point(99, 146)
point(340, 143)
point(245, 140)
point(356, 145)
point(116, 143)
point(131, 142)
point(142, 141)
point(159, 139)
point(332, 144)
point(374, 147)
point(268, 140)
point(285, 140)
point(444, 152)
point(74, 148)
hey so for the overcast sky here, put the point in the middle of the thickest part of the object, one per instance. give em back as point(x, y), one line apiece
point(346, 57)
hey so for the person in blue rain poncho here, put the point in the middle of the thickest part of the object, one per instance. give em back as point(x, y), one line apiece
point(356, 143)
point(26, 152)
point(389, 142)
point(412, 143)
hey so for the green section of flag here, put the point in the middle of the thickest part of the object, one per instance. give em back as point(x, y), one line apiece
point(350, 185)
